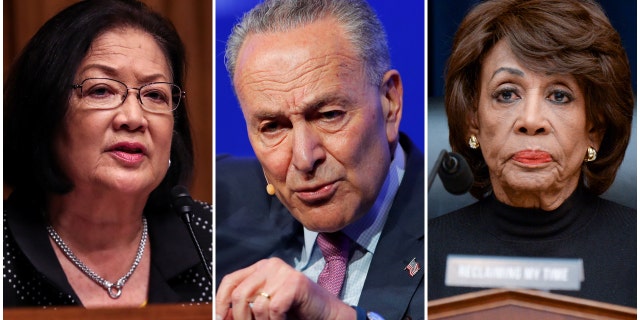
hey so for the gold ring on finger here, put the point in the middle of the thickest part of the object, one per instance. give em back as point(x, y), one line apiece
point(266, 295)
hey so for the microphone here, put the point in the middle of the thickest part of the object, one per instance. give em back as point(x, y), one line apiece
point(183, 204)
point(454, 172)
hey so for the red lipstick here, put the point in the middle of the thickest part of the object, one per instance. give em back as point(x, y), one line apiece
point(532, 157)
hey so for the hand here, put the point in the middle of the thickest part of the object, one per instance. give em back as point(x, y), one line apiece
point(276, 291)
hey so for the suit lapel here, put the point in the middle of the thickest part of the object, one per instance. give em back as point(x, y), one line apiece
point(389, 288)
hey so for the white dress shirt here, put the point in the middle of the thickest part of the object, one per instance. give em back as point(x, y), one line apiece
point(364, 235)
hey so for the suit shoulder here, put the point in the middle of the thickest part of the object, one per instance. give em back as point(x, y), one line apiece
point(237, 172)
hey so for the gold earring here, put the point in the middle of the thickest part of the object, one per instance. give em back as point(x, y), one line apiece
point(473, 142)
point(592, 154)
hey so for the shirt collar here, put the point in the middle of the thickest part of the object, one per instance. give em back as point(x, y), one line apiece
point(366, 231)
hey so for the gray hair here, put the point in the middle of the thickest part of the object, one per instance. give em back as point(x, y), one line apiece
point(361, 24)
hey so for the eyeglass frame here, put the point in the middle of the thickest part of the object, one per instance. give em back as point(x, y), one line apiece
point(183, 94)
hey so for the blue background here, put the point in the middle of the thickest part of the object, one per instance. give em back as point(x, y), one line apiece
point(404, 23)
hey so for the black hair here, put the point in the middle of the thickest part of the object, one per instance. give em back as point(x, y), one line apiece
point(38, 88)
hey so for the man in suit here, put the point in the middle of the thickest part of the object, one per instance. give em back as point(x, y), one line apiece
point(323, 111)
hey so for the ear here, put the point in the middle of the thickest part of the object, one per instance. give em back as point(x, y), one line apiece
point(391, 99)
point(472, 122)
point(595, 136)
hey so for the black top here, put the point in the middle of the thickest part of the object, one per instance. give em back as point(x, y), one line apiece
point(33, 275)
point(600, 232)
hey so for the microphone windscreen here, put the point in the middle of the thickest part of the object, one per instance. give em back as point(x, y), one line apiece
point(456, 180)
point(181, 200)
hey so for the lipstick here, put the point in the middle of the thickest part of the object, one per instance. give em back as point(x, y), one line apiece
point(532, 157)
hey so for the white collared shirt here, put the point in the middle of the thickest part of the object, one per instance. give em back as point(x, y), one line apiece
point(365, 233)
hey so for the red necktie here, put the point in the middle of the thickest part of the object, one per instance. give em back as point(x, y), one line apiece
point(335, 249)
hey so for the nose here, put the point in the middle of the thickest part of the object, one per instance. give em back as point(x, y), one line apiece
point(532, 119)
point(130, 115)
point(307, 150)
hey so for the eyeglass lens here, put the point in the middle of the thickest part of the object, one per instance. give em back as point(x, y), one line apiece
point(103, 93)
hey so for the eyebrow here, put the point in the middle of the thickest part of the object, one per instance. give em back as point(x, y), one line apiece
point(104, 68)
point(263, 115)
point(331, 98)
point(316, 104)
point(513, 71)
point(113, 72)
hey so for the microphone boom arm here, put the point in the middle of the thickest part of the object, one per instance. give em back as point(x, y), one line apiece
point(434, 170)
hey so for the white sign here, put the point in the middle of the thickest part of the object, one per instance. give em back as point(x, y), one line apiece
point(514, 272)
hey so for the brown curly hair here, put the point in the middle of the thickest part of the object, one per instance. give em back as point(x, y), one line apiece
point(550, 36)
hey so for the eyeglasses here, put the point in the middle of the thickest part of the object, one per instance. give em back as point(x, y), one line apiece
point(105, 93)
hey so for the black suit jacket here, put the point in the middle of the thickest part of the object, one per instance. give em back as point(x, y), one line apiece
point(251, 225)
point(176, 273)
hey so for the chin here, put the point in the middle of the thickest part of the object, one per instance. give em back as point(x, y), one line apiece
point(134, 186)
point(319, 221)
point(530, 181)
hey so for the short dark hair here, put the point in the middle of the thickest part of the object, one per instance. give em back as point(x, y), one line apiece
point(38, 88)
point(558, 36)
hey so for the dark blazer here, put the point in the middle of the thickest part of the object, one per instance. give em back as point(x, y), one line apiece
point(251, 225)
point(176, 274)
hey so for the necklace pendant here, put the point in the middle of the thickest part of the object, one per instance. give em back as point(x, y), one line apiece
point(115, 290)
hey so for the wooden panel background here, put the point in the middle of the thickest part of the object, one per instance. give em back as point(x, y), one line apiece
point(192, 19)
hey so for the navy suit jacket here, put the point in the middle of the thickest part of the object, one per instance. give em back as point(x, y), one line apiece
point(251, 225)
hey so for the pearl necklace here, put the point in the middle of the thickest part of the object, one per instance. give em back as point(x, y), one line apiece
point(114, 289)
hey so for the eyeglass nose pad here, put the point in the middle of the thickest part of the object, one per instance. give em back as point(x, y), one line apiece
point(137, 95)
point(124, 97)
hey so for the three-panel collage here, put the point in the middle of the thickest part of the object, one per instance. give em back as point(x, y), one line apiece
point(319, 159)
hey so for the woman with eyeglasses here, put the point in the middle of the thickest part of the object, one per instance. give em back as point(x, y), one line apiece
point(96, 135)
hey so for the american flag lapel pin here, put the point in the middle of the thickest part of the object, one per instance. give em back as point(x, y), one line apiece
point(413, 267)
